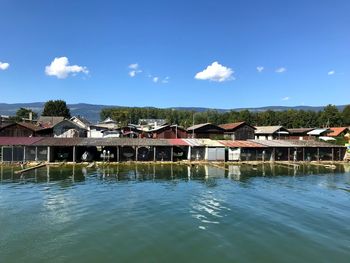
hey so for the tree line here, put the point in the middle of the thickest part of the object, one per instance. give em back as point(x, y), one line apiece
point(330, 116)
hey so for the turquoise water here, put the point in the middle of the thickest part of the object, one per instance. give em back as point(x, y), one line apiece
point(175, 213)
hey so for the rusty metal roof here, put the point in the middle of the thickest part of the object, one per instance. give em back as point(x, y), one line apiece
point(293, 143)
point(240, 144)
point(49, 121)
point(177, 142)
point(23, 141)
point(122, 142)
point(51, 141)
point(300, 130)
point(233, 126)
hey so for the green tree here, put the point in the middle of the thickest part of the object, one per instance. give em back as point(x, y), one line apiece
point(24, 113)
point(56, 108)
point(346, 115)
point(330, 116)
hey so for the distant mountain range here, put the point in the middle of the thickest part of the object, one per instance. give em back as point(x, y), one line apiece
point(92, 111)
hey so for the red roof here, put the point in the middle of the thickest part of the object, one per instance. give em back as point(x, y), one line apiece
point(240, 144)
point(335, 132)
point(23, 141)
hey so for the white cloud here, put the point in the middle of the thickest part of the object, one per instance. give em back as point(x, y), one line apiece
point(4, 65)
point(155, 79)
point(165, 80)
point(286, 98)
point(134, 70)
point(134, 66)
point(61, 69)
point(332, 72)
point(281, 70)
point(132, 73)
point(260, 69)
point(215, 72)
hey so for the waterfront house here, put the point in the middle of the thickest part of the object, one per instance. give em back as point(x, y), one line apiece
point(167, 132)
point(151, 123)
point(49, 121)
point(238, 131)
point(205, 130)
point(338, 131)
point(108, 123)
point(244, 150)
point(105, 128)
point(205, 150)
point(24, 129)
point(81, 121)
point(22, 149)
point(68, 129)
point(62, 127)
point(321, 134)
point(299, 134)
point(4, 119)
point(270, 132)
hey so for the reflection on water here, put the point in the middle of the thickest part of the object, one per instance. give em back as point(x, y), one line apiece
point(176, 213)
point(78, 173)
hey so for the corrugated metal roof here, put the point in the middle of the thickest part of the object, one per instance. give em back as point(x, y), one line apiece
point(232, 126)
point(275, 143)
point(27, 125)
point(201, 125)
point(300, 130)
point(311, 143)
point(49, 121)
point(193, 142)
point(268, 129)
point(32, 126)
point(51, 141)
point(178, 142)
point(123, 142)
point(203, 142)
point(293, 143)
point(240, 144)
point(197, 126)
point(318, 132)
point(24, 141)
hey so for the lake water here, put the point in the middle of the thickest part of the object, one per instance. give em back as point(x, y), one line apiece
point(176, 213)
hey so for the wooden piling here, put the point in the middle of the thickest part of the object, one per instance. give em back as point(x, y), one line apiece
point(30, 168)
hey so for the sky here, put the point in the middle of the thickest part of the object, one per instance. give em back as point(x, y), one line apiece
point(217, 54)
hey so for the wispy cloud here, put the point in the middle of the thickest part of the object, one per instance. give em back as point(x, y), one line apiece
point(332, 72)
point(165, 80)
point(4, 65)
point(281, 70)
point(286, 98)
point(61, 69)
point(215, 72)
point(157, 79)
point(134, 70)
point(260, 69)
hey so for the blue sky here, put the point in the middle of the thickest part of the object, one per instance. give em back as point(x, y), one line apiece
point(176, 53)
